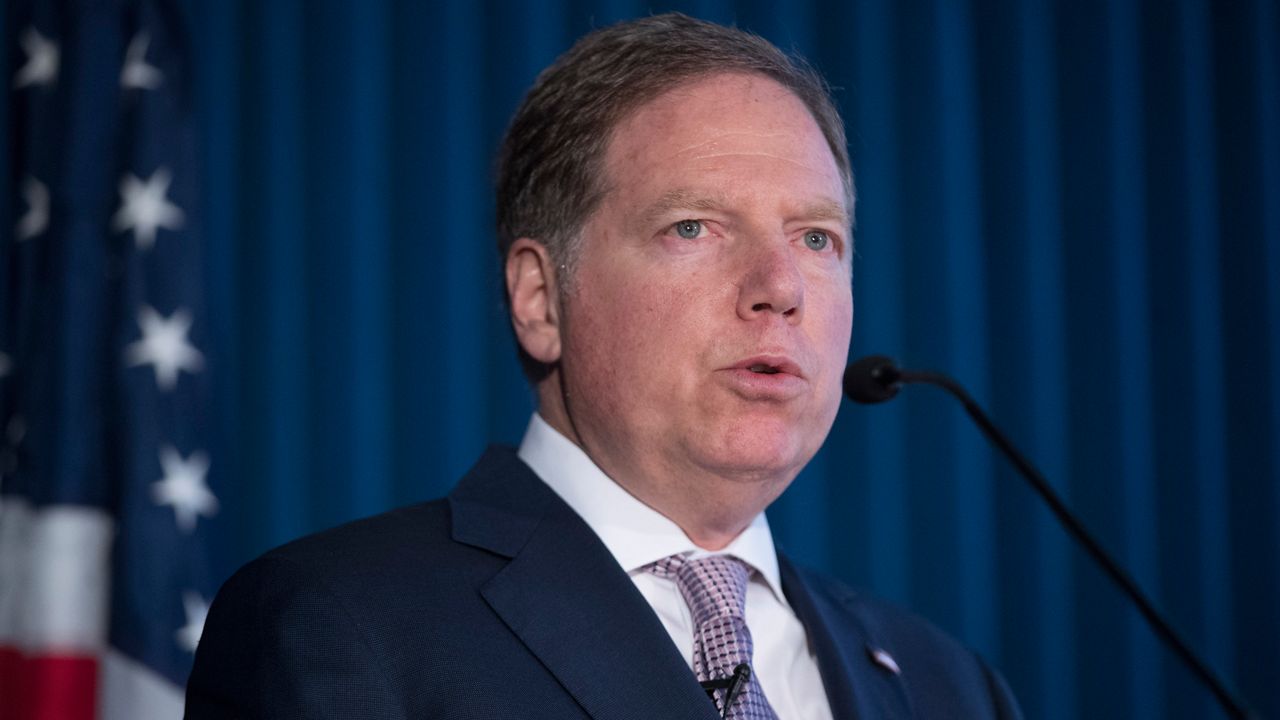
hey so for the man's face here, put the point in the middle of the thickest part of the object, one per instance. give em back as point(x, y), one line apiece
point(708, 319)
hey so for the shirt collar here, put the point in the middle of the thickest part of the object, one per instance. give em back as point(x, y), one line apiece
point(634, 533)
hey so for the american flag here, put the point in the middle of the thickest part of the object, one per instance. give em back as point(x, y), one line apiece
point(105, 500)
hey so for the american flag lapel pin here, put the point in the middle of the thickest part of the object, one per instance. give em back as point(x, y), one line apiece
point(882, 658)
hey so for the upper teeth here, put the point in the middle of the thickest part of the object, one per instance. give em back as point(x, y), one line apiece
point(763, 369)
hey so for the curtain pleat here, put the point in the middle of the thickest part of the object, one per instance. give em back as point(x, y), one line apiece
point(273, 255)
point(879, 445)
point(1259, 386)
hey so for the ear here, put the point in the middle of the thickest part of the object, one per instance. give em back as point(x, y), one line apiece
point(535, 311)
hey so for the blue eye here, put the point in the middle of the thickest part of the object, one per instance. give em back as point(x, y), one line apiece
point(816, 240)
point(688, 229)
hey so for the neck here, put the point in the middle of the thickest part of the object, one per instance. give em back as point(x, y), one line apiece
point(710, 538)
point(710, 508)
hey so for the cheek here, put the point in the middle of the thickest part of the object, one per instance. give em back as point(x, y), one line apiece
point(615, 331)
point(844, 326)
point(834, 333)
point(645, 335)
point(834, 300)
point(655, 306)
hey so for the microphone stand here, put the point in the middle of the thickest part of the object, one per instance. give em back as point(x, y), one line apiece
point(889, 376)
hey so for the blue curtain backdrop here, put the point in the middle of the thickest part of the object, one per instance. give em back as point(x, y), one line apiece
point(1073, 207)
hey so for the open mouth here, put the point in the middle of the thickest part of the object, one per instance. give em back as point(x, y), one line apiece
point(764, 369)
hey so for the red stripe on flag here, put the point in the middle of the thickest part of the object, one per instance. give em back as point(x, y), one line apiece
point(10, 668)
point(47, 687)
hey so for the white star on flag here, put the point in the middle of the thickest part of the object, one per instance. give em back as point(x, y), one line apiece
point(143, 207)
point(42, 60)
point(36, 220)
point(197, 610)
point(184, 488)
point(136, 72)
point(164, 344)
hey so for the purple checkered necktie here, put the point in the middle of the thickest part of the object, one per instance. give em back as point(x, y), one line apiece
point(715, 587)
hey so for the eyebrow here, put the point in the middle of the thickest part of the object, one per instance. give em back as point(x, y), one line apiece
point(829, 210)
point(685, 199)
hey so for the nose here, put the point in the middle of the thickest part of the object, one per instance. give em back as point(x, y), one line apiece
point(771, 284)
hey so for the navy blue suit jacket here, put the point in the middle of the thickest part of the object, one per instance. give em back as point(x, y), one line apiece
point(500, 602)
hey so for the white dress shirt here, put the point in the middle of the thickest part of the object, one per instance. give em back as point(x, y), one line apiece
point(638, 535)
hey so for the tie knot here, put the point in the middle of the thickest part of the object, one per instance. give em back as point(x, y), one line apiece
point(712, 586)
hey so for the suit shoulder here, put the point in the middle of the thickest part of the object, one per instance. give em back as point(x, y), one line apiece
point(373, 568)
point(424, 527)
point(288, 636)
point(346, 564)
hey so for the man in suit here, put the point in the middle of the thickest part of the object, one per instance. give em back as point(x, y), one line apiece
point(674, 212)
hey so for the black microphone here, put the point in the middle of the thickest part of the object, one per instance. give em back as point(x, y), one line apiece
point(733, 685)
point(876, 378)
point(871, 380)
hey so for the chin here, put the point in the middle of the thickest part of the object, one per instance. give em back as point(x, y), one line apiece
point(757, 452)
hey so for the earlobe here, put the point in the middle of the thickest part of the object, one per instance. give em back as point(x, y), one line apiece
point(531, 287)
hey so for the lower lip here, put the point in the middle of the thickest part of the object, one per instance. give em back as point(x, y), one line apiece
point(765, 386)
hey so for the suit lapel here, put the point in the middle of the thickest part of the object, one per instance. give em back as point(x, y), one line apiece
point(569, 602)
point(857, 686)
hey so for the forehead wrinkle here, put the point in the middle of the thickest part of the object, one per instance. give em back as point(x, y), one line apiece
point(771, 156)
point(725, 135)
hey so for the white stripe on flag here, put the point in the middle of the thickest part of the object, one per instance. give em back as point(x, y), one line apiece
point(15, 524)
point(130, 691)
point(54, 577)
